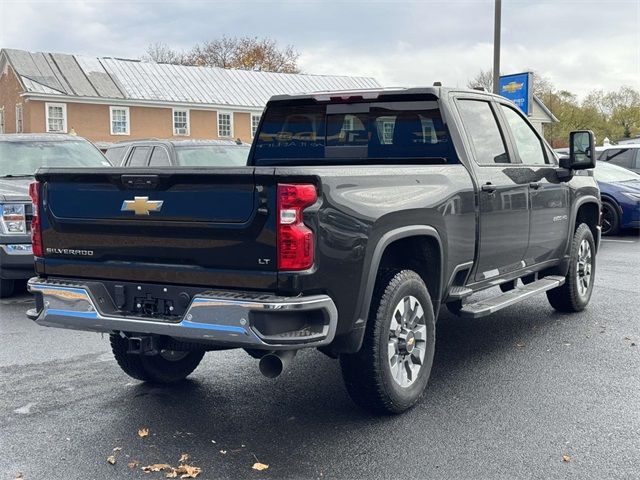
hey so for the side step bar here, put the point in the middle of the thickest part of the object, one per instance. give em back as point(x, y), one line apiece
point(493, 304)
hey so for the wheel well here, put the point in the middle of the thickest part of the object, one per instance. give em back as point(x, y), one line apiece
point(588, 213)
point(420, 254)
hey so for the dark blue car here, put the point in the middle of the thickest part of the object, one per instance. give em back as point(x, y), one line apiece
point(620, 191)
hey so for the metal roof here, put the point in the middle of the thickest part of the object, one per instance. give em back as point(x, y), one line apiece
point(114, 78)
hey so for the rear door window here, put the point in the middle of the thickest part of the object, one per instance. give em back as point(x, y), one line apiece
point(159, 157)
point(381, 132)
point(138, 157)
point(483, 132)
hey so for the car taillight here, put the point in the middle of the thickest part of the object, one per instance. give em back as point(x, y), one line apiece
point(295, 240)
point(36, 233)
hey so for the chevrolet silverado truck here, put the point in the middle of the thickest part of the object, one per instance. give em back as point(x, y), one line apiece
point(359, 215)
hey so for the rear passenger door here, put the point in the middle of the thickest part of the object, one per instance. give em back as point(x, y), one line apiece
point(159, 157)
point(548, 196)
point(502, 197)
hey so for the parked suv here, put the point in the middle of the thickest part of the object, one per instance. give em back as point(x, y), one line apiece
point(179, 153)
point(20, 156)
point(625, 156)
point(357, 217)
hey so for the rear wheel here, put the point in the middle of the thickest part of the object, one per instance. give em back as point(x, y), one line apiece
point(168, 366)
point(610, 219)
point(575, 293)
point(7, 287)
point(391, 370)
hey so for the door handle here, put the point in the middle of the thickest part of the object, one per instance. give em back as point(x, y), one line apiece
point(534, 185)
point(487, 187)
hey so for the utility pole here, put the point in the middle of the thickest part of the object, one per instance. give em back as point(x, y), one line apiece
point(496, 47)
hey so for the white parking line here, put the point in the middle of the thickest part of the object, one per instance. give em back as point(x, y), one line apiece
point(619, 241)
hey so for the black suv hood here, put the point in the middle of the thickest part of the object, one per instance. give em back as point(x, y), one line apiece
point(15, 189)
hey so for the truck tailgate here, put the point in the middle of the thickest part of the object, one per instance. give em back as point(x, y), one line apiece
point(125, 223)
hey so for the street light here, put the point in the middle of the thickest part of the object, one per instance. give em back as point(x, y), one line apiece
point(496, 47)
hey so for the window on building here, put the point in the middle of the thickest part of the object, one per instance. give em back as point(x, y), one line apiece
point(180, 122)
point(19, 118)
point(225, 121)
point(255, 121)
point(527, 142)
point(2, 120)
point(119, 120)
point(56, 117)
point(483, 132)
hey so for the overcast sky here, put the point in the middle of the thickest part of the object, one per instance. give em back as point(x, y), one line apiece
point(578, 45)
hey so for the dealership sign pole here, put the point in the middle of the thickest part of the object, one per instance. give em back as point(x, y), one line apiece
point(496, 46)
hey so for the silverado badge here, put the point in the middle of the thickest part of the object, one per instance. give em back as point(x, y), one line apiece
point(141, 205)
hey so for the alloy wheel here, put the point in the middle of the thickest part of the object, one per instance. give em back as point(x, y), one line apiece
point(407, 341)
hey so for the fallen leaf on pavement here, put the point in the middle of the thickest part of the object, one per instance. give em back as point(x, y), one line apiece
point(117, 449)
point(223, 452)
point(520, 345)
point(157, 467)
point(19, 476)
point(260, 466)
point(143, 432)
point(133, 464)
point(111, 459)
point(184, 457)
point(566, 458)
point(187, 471)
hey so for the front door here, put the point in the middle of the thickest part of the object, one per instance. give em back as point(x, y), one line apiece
point(503, 198)
point(548, 197)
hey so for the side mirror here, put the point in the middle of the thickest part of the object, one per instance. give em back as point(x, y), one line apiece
point(582, 151)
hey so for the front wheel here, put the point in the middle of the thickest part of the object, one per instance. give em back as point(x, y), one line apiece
point(610, 219)
point(575, 293)
point(168, 366)
point(391, 370)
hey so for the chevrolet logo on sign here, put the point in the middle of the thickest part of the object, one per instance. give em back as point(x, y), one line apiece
point(512, 87)
point(141, 205)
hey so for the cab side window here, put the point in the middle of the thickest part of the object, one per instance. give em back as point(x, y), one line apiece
point(138, 157)
point(159, 157)
point(528, 144)
point(624, 157)
point(483, 132)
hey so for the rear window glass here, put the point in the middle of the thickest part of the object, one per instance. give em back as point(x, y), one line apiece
point(390, 131)
point(212, 155)
point(25, 157)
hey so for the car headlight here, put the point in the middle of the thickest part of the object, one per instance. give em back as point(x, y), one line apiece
point(632, 196)
point(12, 219)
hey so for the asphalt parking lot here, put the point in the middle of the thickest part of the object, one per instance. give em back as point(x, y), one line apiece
point(525, 393)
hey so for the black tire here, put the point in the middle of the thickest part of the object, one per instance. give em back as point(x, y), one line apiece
point(367, 373)
point(7, 287)
point(154, 368)
point(610, 219)
point(572, 296)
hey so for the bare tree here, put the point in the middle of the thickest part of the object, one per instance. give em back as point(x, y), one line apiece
point(246, 53)
point(483, 79)
point(161, 53)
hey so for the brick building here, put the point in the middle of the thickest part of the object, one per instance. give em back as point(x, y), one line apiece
point(109, 99)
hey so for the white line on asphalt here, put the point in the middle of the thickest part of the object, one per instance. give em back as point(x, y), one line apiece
point(619, 241)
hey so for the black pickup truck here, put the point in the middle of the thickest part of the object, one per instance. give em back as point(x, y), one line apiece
point(359, 215)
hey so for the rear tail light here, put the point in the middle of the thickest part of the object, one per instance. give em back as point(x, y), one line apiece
point(295, 239)
point(36, 231)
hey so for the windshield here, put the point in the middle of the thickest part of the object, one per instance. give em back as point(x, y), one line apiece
point(212, 155)
point(607, 172)
point(24, 158)
point(377, 132)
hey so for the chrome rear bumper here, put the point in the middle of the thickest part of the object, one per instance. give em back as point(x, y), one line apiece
point(222, 318)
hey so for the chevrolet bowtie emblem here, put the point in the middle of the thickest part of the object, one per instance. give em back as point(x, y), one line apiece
point(512, 87)
point(141, 205)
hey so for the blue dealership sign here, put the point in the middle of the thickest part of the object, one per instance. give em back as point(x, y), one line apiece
point(519, 89)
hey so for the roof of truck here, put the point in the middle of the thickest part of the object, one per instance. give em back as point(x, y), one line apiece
point(40, 137)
